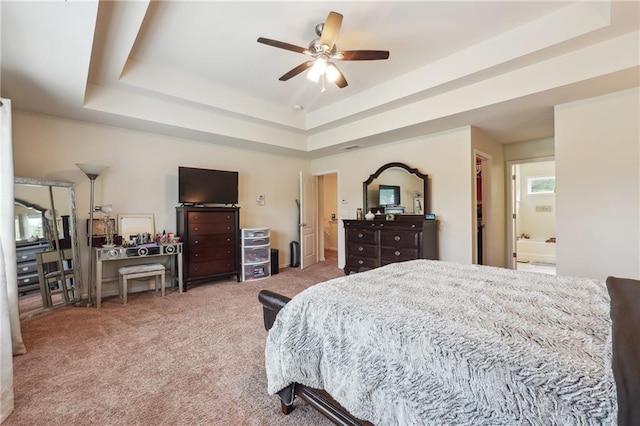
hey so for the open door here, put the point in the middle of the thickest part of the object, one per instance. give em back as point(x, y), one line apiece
point(308, 220)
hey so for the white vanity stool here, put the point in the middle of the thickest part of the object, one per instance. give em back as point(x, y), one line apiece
point(140, 271)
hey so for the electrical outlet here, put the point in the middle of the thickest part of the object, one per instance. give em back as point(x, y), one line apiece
point(260, 200)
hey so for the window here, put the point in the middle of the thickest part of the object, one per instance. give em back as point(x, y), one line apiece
point(541, 185)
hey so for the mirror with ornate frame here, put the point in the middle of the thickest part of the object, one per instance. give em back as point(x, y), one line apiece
point(411, 185)
point(46, 242)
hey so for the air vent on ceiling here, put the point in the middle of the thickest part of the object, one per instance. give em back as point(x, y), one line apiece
point(350, 147)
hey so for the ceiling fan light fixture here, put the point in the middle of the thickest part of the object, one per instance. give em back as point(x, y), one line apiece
point(332, 73)
point(317, 69)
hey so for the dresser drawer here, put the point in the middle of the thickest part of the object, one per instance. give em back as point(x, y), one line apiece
point(27, 255)
point(362, 235)
point(211, 240)
point(26, 280)
point(363, 250)
point(27, 268)
point(208, 217)
point(198, 269)
point(210, 228)
point(362, 262)
point(205, 254)
point(397, 254)
point(396, 238)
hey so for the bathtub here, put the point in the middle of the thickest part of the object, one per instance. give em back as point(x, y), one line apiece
point(535, 250)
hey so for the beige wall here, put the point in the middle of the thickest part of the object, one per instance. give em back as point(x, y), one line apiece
point(444, 156)
point(597, 162)
point(142, 174)
point(598, 186)
point(537, 148)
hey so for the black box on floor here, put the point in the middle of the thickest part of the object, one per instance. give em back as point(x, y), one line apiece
point(274, 261)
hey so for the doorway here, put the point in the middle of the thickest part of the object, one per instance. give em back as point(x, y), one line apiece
point(328, 226)
point(533, 221)
point(482, 201)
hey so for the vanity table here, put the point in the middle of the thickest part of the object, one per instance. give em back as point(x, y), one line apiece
point(136, 255)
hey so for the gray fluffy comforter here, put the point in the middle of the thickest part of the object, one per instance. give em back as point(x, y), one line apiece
point(440, 343)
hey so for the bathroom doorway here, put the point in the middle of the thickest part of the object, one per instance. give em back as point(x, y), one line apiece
point(328, 214)
point(533, 224)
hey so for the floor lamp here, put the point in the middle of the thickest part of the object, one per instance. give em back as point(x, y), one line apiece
point(92, 172)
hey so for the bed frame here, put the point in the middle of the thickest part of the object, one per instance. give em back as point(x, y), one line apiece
point(319, 399)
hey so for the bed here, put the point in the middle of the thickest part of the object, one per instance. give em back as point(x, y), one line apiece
point(433, 342)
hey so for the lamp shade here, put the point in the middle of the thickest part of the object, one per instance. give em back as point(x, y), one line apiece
point(106, 209)
point(91, 170)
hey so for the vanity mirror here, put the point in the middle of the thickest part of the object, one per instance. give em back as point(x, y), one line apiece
point(132, 225)
point(396, 188)
point(46, 242)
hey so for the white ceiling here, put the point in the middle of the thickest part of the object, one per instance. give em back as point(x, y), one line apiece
point(194, 69)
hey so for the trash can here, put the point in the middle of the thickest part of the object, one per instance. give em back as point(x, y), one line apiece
point(274, 261)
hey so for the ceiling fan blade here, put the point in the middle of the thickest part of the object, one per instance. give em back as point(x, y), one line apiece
point(341, 82)
point(282, 45)
point(297, 70)
point(362, 55)
point(331, 29)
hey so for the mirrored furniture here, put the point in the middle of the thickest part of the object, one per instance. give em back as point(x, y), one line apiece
point(45, 221)
point(138, 255)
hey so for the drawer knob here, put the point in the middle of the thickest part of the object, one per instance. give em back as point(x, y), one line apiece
point(413, 226)
point(26, 280)
point(195, 255)
point(360, 262)
point(195, 242)
point(397, 253)
point(360, 235)
point(23, 257)
point(397, 238)
point(26, 268)
point(360, 248)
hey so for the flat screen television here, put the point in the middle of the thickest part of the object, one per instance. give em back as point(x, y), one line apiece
point(207, 186)
point(389, 195)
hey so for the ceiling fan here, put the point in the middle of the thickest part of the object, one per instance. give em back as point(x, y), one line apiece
point(322, 50)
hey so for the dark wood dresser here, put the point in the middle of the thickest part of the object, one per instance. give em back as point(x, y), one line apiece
point(374, 243)
point(28, 281)
point(211, 237)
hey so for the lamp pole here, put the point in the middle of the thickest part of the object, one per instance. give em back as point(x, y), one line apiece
point(92, 179)
point(92, 173)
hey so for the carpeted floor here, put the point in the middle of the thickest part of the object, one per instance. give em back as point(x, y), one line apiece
point(195, 358)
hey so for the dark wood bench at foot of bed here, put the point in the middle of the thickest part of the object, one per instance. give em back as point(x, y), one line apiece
point(319, 399)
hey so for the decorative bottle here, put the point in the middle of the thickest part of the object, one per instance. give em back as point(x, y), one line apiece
point(369, 215)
